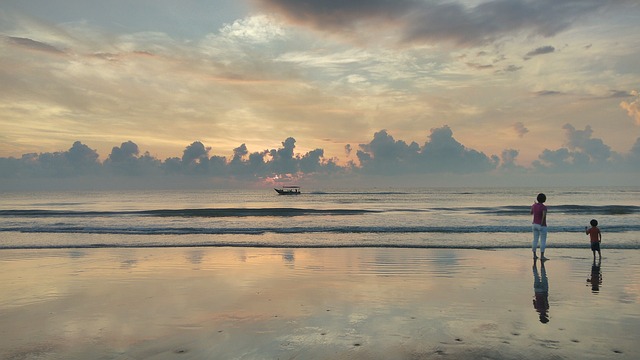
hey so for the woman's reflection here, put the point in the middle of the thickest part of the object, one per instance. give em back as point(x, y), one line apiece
point(595, 279)
point(541, 292)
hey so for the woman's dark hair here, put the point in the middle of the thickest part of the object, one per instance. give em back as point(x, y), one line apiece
point(594, 222)
point(541, 198)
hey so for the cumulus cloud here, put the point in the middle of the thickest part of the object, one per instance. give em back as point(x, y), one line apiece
point(581, 140)
point(311, 162)
point(195, 158)
point(509, 158)
point(125, 160)
point(77, 161)
point(127, 150)
point(239, 153)
point(582, 152)
point(283, 161)
point(633, 107)
point(195, 153)
point(444, 153)
point(81, 156)
point(520, 129)
point(554, 159)
point(383, 155)
point(441, 153)
point(436, 21)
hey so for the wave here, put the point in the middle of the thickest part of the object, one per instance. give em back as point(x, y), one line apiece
point(509, 210)
point(210, 212)
point(561, 209)
point(168, 230)
point(360, 193)
point(598, 210)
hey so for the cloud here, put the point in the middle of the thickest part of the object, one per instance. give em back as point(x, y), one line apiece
point(634, 156)
point(479, 66)
point(520, 129)
point(126, 151)
point(33, 45)
point(385, 155)
point(633, 107)
point(195, 158)
point(581, 140)
point(311, 162)
point(444, 153)
point(436, 21)
point(348, 150)
point(239, 153)
point(582, 153)
point(540, 51)
point(509, 158)
point(622, 94)
point(554, 159)
point(512, 68)
point(195, 153)
point(441, 153)
point(283, 161)
point(81, 157)
point(77, 161)
point(257, 29)
point(125, 160)
point(382, 157)
point(548, 93)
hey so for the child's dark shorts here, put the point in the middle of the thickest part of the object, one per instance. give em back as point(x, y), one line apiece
point(595, 246)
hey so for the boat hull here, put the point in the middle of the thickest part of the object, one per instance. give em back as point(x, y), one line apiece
point(287, 191)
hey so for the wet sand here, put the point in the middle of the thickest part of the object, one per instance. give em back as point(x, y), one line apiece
point(361, 303)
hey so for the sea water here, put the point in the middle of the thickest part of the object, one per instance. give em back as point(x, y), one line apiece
point(372, 217)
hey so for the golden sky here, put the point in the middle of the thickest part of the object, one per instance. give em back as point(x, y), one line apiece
point(523, 76)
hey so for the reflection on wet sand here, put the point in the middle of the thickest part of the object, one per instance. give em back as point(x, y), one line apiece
point(351, 303)
point(541, 292)
point(595, 278)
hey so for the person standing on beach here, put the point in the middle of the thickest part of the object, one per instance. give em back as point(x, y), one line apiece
point(539, 226)
point(596, 238)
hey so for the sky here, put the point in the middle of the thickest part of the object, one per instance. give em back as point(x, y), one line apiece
point(413, 92)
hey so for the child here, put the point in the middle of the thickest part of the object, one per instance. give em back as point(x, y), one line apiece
point(596, 238)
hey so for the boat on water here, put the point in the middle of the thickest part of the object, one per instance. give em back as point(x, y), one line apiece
point(288, 190)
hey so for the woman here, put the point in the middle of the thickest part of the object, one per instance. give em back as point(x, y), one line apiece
point(539, 212)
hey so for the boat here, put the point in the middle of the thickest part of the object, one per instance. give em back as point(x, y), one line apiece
point(288, 190)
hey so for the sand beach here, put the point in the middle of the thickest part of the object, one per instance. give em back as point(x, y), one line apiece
point(322, 303)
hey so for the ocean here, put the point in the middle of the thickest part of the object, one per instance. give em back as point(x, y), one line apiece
point(473, 218)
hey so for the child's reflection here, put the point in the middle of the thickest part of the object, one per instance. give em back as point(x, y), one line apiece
point(541, 292)
point(595, 279)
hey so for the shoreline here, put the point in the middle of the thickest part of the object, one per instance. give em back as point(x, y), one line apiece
point(455, 241)
point(315, 303)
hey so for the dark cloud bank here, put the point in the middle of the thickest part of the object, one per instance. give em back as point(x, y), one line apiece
point(440, 157)
point(436, 20)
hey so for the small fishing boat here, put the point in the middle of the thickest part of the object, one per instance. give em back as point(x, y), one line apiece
point(288, 190)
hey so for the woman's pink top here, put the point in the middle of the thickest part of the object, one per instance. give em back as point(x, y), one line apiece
point(537, 209)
